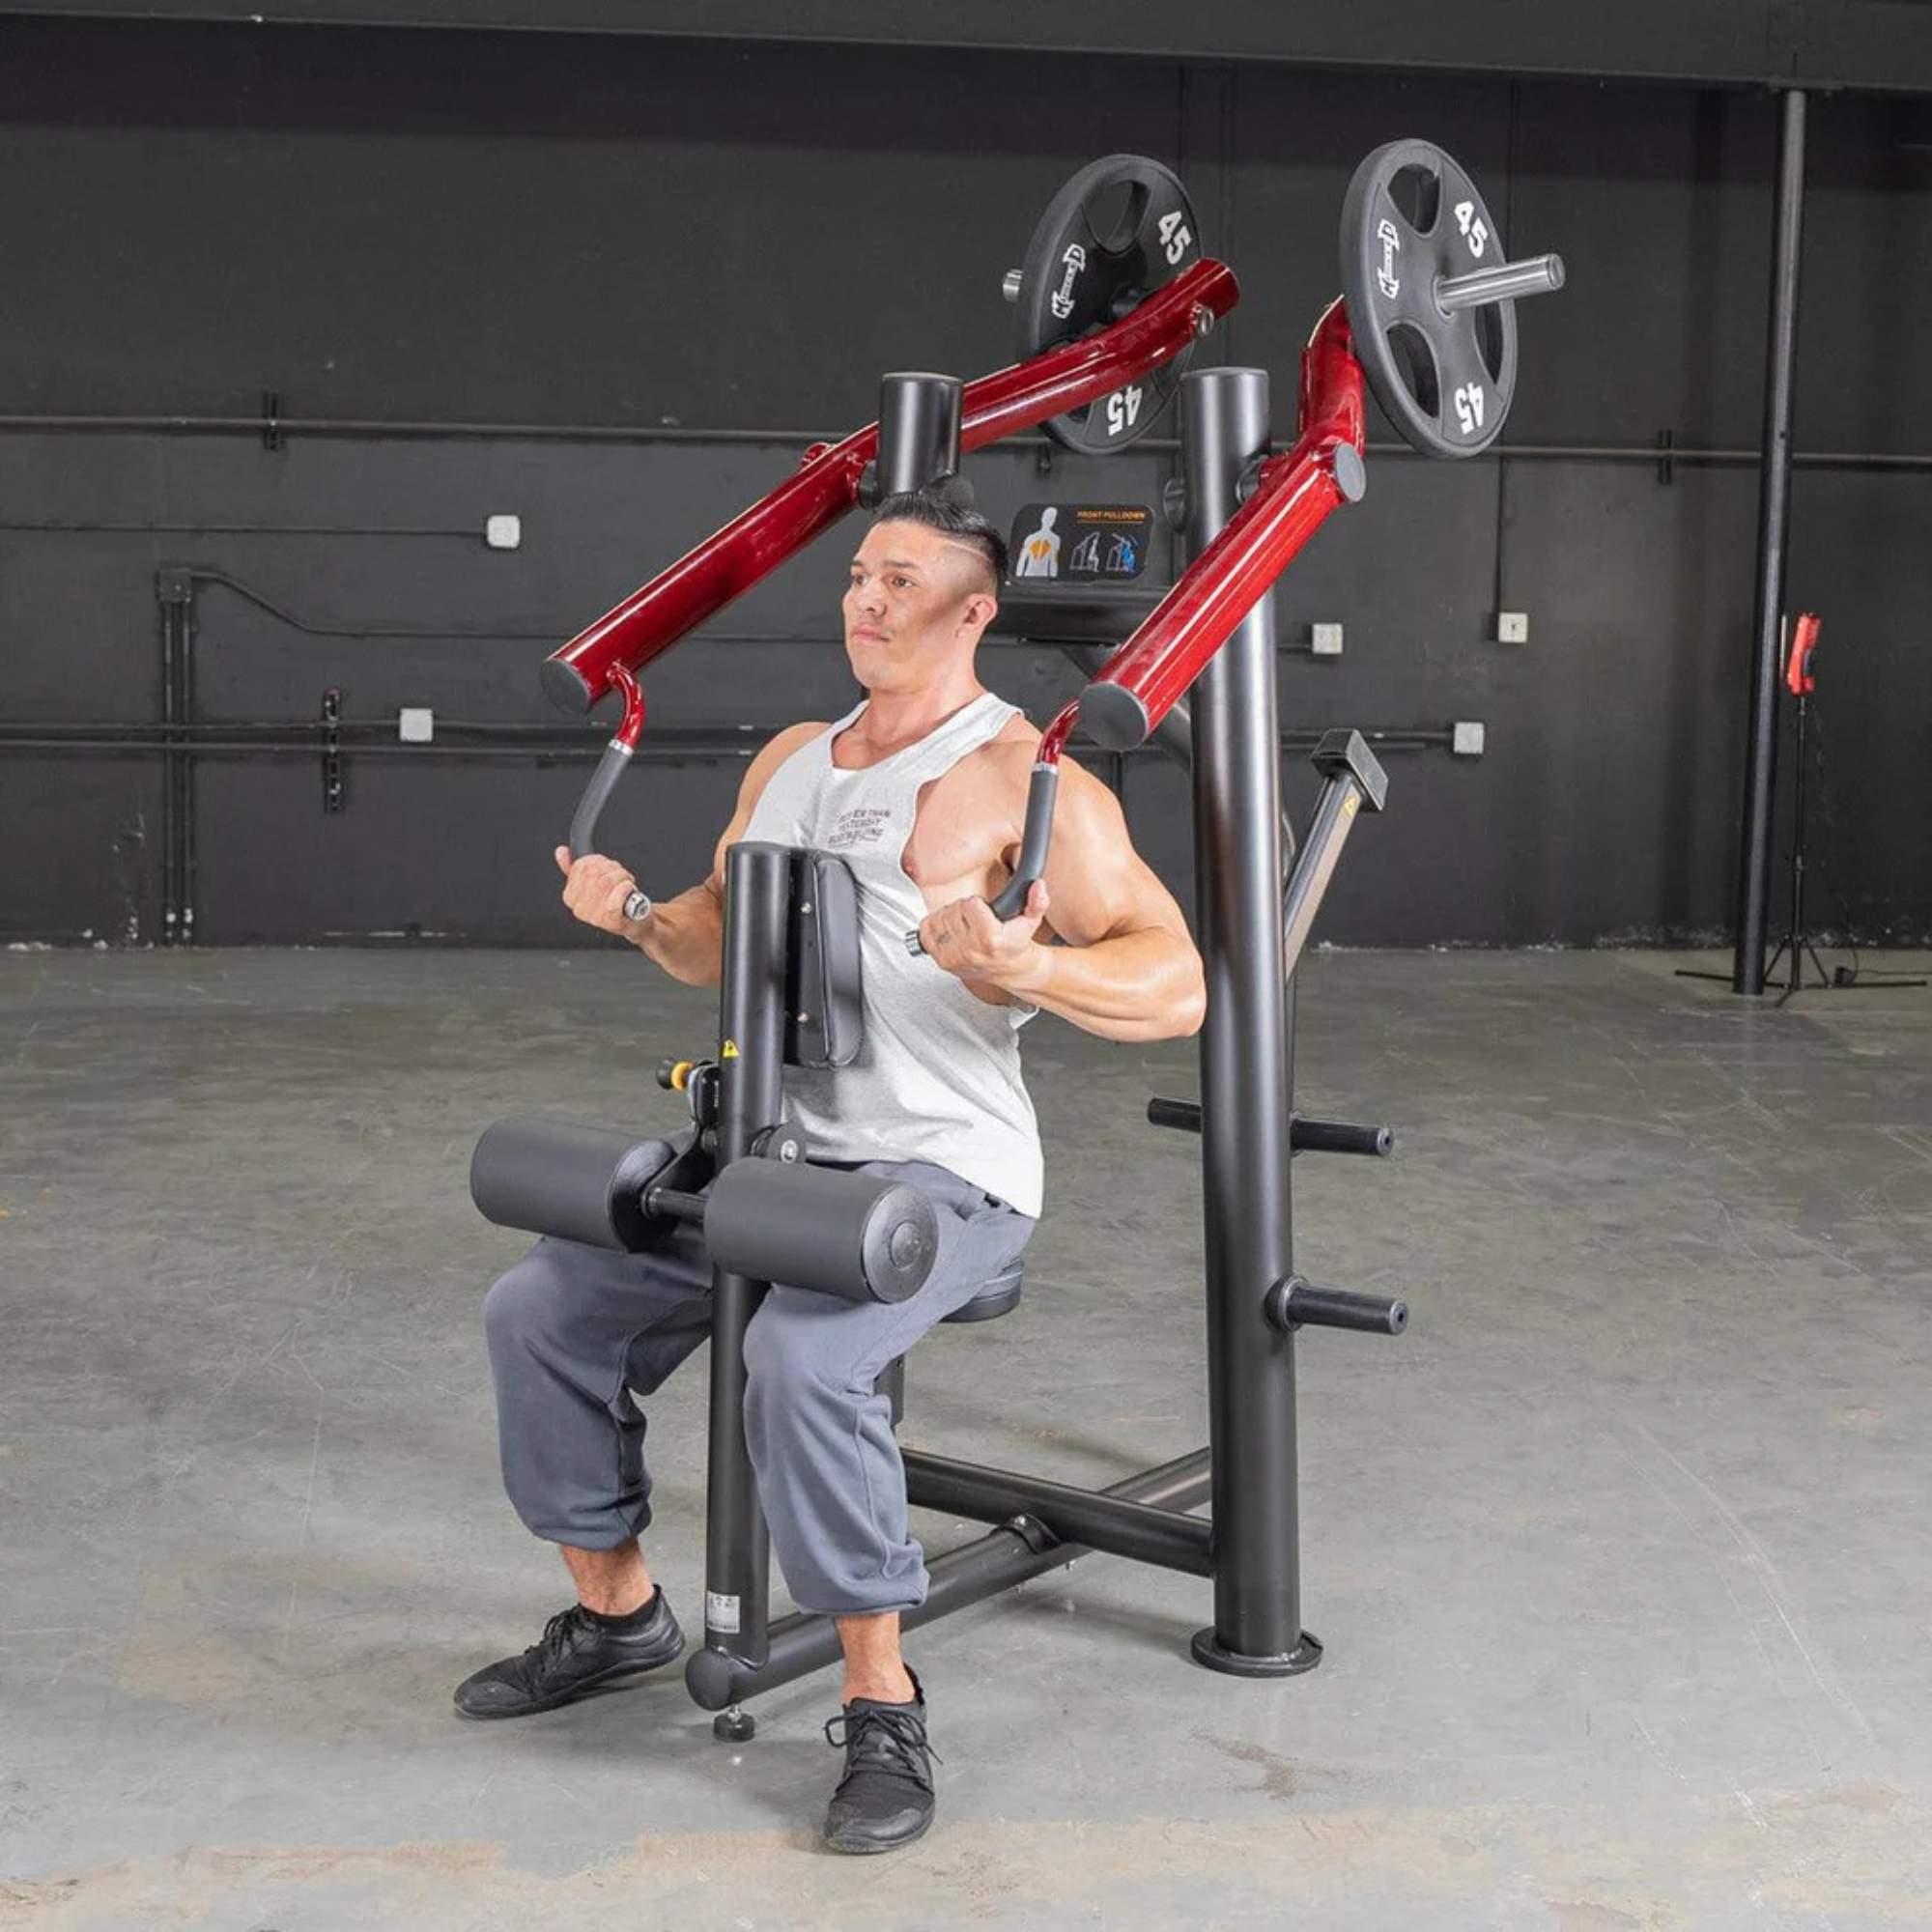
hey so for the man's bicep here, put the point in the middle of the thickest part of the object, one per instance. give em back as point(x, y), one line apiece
point(1099, 886)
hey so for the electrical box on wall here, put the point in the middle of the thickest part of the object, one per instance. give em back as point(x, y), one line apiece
point(503, 532)
point(1467, 738)
point(1325, 640)
point(1512, 627)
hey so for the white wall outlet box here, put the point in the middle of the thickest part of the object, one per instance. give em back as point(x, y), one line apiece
point(1512, 627)
point(1467, 739)
point(417, 724)
point(503, 532)
point(1325, 640)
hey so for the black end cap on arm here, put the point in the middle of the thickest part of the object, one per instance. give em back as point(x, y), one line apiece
point(1116, 720)
point(1342, 753)
point(564, 685)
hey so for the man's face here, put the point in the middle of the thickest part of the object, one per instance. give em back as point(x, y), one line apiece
point(914, 598)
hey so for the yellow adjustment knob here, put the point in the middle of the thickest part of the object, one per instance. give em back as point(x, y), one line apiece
point(680, 1075)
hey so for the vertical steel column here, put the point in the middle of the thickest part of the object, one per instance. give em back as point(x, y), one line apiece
point(1773, 537)
point(185, 627)
point(737, 1553)
point(173, 591)
point(1245, 1071)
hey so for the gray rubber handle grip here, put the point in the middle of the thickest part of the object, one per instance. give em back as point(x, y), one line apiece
point(1033, 843)
point(611, 767)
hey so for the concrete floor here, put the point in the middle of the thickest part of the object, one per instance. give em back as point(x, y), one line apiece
point(1623, 1554)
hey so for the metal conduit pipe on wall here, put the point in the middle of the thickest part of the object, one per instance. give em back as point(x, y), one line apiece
point(1665, 451)
point(668, 745)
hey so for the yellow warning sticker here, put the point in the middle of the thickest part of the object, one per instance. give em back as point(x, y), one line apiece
point(730, 1050)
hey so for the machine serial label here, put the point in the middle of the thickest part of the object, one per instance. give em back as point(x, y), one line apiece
point(721, 1613)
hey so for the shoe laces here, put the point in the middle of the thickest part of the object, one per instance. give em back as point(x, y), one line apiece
point(886, 1739)
point(549, 1648)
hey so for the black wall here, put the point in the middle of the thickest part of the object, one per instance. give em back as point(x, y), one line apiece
point(640, 235)
point(1828, 44)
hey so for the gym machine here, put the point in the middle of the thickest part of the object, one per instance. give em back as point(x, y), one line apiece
point(1111, 297)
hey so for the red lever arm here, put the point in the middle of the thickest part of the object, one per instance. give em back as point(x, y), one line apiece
point(1137, 687)
point(1292, 496)
point(826, 484)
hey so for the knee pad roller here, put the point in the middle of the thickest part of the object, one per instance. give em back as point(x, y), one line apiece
point(571, 1179)
point(839, 1234)
point(848, 1234)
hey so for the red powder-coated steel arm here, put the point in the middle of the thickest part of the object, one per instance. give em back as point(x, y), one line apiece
point(826, 484)
point(1293, 495)
point(1137, 687)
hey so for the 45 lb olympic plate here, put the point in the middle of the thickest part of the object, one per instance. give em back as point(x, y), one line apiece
point(1121, 228)
point(1431, 301)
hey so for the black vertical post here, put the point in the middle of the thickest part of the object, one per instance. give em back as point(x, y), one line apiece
point(172, 589)
point(185, 633)
point(919, 431)
point(737, 1552)
point(1773, 537)
point(1245, 1071)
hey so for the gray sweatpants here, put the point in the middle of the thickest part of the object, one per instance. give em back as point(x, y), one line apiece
point(577, 1332)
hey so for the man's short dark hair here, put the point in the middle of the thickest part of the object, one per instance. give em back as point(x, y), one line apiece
point(957, 521)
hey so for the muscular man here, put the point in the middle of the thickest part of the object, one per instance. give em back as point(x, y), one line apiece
point(921, 788)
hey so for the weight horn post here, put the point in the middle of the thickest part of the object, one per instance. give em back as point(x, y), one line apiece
point(1539, 276)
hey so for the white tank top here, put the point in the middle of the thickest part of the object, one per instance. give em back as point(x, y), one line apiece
point(938, 1076)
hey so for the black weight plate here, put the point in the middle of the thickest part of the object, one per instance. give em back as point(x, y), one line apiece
point(1412, 215)
point(1121, 228)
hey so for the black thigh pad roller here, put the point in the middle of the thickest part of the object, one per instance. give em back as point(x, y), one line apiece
point(567, 1178)
point(848, 1234)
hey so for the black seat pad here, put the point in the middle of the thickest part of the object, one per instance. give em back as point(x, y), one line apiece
point(993, 1298)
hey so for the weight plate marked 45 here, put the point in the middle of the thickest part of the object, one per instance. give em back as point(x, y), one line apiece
point(1119, 229)
point(1413, 219)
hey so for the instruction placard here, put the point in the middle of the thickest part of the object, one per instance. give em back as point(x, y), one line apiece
point(1081, 543)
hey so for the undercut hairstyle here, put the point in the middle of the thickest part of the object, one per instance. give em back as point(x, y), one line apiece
point(958, 523)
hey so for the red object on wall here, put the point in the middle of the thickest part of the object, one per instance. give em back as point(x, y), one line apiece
point(1798, 677)
point(826, 484)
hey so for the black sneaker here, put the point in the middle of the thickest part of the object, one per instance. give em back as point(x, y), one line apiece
point(885, 1798)
point(575, 1654)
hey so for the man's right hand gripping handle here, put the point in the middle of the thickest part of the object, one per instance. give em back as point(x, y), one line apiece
point(602, 894)
point(599, 891)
